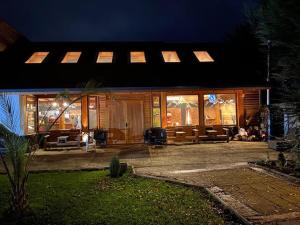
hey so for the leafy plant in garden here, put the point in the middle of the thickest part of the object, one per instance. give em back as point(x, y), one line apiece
point(15, 160)
point(115, 167)
point(281, 160)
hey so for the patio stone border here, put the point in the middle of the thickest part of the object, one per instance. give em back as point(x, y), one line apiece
point(273, 172)
point(216, 198)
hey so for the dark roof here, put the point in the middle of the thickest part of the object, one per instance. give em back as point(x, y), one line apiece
point(228, 70)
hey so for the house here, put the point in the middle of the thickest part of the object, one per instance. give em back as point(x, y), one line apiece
point(139, 85)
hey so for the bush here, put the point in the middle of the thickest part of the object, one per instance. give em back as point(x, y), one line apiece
point(123, 168)
point(114, 167)
point(281, 160)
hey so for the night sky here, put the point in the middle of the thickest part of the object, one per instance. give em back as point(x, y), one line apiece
point(132, 20)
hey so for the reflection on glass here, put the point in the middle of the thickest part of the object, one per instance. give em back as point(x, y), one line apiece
point(182, 110)
point(92, 112)
point(220, 109)
point(30, 115)
point(50, 109)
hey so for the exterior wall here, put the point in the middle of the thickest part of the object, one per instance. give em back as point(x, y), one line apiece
point(252, 102)
point(252, 106)
point(23, 124)
point(247, 103)
point(84, 113)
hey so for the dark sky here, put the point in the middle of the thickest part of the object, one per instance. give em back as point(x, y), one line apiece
point(121, 20)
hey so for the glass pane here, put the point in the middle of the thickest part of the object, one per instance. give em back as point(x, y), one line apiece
point(137, 57)
point(156, 118)
point(170, 56)
point(71, 57)
point(220, 109)
point(30, 115)
point(105, 57)
point(37, 57)
point(203, 56)
point(182, 110)
point(92, 112)
point(49, 109)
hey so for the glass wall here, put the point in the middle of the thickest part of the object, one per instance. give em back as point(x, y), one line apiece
point(93, 112)
point(49, 110)
point(182, 110)
point(220, 109)
point(30, 124)
point(156, 117)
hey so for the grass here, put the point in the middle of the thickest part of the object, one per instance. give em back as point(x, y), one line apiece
point(87, 198)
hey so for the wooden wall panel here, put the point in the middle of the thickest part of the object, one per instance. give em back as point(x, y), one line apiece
point(163, 109)
point(84, 113)
point(103, 111)
point(201, 109)
point(240, 109)
point(106, 100)
point(252, 102)
point(147, 111)
point(23, 114)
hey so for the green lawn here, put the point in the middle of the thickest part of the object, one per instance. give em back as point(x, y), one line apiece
point(86, 198)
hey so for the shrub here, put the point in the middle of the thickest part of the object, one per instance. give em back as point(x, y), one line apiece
point(114, 167)
point(281, 160)
point(123, 168)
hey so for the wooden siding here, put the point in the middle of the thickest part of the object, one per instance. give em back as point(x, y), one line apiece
point(84, 113)
point(248, 103)
point(102, 109)
point(251, 102)
point(240, 109)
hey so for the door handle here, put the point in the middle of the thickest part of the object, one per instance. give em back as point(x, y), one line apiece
point(126, 125)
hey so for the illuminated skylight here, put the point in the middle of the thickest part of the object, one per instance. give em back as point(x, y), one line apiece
point(37, 57)
point(105, 57)
point(71, 57)
point(137, 57)
point(203, 56)
point(170, 56)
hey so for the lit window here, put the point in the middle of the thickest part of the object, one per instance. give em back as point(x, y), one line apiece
point(71, 57)
point(93, 112)
point(50, 108)
point(220, 109)
point(170, 56)
point(137, 57)
point(37, 57)
point(182, 110)
point(203, 56)
point(105, 57)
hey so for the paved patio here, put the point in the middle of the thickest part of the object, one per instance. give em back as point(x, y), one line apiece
point(158, 161)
